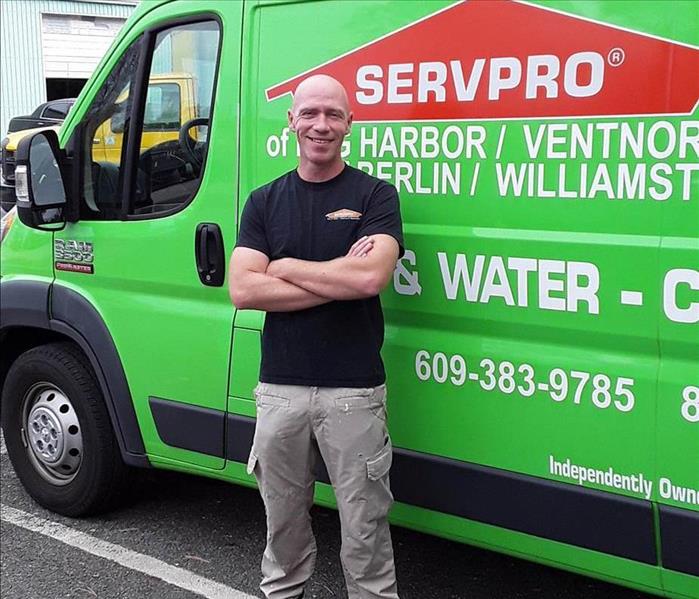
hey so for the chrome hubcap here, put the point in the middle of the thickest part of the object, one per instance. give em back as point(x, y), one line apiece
point(52, 434)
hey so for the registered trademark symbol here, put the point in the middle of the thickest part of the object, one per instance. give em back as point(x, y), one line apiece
point(616, 57)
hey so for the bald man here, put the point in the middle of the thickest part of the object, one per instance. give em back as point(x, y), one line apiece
point(315, 248)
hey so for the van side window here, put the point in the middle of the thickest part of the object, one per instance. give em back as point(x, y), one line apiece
point(104, 140)
point(176, 116)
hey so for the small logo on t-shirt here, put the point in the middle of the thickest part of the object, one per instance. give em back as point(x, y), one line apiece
point(344, 214)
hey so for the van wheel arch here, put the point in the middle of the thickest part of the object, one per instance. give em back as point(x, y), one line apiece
point(16, 340)
point(26, 324)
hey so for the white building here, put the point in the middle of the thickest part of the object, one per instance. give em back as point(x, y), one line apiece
point(49, 48)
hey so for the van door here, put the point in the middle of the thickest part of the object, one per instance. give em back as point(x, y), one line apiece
point(160, 219)
point(678, 399)
point(517, 351)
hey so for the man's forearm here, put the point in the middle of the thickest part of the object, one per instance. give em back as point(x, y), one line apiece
point(271, 294)
point(345, 278)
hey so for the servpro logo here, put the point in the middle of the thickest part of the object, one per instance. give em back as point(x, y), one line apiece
point(506, 59)
point(407, 83)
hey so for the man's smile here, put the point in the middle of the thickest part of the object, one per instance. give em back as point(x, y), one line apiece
point(319, 140)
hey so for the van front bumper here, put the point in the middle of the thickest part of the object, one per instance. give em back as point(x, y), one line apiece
point(7, 168)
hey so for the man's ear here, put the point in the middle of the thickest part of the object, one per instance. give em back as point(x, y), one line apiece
point(290, 118)
point(350, 118)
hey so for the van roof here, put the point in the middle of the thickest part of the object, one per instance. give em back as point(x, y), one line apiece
point(148, 5)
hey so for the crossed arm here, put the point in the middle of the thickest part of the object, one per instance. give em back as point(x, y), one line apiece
point(291, 284)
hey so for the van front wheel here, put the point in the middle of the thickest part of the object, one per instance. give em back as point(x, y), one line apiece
point(58, 433)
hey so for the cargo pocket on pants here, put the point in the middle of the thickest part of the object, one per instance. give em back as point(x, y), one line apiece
point(379, 465)
point(252, 462)
point(379, 498)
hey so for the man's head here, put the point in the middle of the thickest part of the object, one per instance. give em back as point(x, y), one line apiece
point(320, 116)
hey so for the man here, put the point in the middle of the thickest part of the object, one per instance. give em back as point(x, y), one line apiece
point(316, 246)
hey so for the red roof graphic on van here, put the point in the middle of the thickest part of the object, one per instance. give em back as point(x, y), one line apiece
point(502, 59)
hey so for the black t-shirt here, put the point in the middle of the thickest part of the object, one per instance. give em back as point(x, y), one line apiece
point(336, 344)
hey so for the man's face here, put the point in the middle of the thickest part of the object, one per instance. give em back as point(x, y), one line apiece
point(321, 119)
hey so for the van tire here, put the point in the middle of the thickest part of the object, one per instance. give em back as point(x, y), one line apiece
point(58, 433)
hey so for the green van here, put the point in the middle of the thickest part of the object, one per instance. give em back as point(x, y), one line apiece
point(542, 338)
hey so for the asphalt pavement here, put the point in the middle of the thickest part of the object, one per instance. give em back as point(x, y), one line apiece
point(183, 537)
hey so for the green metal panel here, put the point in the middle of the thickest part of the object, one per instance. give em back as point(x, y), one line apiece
point(528, 329)
point(173, 333)
point(27, 253)
point(245, 363)
point(548, 361)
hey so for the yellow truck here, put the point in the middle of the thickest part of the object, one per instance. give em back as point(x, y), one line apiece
point(8, 147)
point(170, 102)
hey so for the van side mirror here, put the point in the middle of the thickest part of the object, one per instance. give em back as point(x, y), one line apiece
point(39, 183)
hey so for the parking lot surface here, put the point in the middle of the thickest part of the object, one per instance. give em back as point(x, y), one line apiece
point(181, 537)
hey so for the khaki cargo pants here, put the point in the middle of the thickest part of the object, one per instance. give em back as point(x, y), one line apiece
point(348, 426)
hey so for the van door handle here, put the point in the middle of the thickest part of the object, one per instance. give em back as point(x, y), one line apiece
point(210, 255)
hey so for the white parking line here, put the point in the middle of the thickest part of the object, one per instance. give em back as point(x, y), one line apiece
point(146, 564)
point(3, 447)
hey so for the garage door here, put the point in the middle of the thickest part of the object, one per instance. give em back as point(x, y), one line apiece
point(73, 45)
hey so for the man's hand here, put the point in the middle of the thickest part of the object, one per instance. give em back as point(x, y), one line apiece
point(361, 247)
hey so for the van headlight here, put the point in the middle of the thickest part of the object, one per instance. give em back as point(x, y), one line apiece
point(22, 183)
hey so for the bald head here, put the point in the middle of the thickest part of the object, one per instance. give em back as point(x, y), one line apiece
point(321, 86)
point(320, 117)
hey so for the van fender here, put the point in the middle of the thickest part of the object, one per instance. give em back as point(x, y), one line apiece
point(24, 303)
point(55, 308)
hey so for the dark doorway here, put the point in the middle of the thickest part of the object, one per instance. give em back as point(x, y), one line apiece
point(63, 88)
